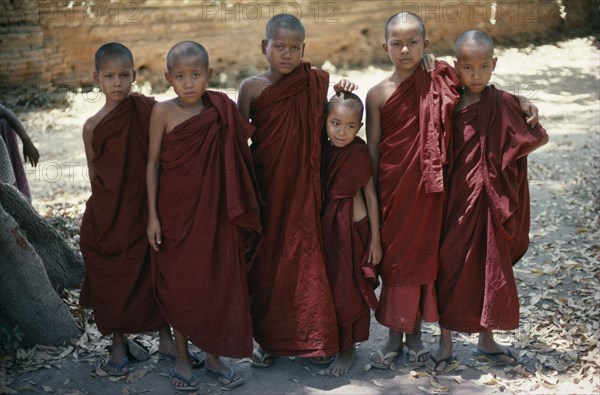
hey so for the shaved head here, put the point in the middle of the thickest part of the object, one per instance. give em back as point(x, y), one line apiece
point(346, 99)
point(112, 51)
point(284, 21)
point(404, 17)
point(187, 49)
point(474, 38)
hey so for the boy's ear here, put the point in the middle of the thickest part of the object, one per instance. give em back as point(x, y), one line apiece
point(426, 43)
point(134, 75)
point(385, 47)
point(494, 60)
point(360, 125)
point(168, 78)
point(302, 55)
point(209, 74)
point(263, 46)
point(96, 79)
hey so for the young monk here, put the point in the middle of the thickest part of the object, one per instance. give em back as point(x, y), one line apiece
point(10, 127)
point(408, 126)
point(350, 223)
point(113, 242)
point(199, 216)
point(292, 306)
point(409, 123)
point(486, 222)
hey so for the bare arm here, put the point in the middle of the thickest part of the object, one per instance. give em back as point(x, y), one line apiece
point(529, 109)
point(157, 129)
point(245, 97)
point(30, 153)
point(88, 133)
point(375, 251)
point(373, 129)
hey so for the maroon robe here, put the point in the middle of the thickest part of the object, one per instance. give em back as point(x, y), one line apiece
point(292, 306)
point(486, 222)
point(347, 244)
point(113, 241)
point(416, 124)
point(206, 204)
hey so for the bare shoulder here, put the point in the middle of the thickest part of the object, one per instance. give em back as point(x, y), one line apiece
point(252, 87)
point(380, 93)
point(90, 124)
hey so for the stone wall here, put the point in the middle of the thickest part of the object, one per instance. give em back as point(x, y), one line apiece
point(52, 43)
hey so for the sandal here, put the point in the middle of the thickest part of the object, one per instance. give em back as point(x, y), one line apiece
point(227, 380)
point(382, 358)
point(414, 358)
point(183, 383)
point(445, 361)
point(198, 359)
point(261, 359)
point(496, 357)
point(116, 369)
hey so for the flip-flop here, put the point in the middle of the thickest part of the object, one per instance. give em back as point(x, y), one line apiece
point(496, 356)
point(446, 361)
point(116, 369)
point(261, 359)
point(382, 358)
point(136, 351)
point(321, 360)
point(189, 383)
point(416, 355)
point(198, 359)
point(228, 379)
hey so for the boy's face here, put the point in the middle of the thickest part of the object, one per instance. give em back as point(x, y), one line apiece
point(115, 77)
point(343, 123)
point(475, 64)
point(284, 51)
point(188, 76)
point(405, 45)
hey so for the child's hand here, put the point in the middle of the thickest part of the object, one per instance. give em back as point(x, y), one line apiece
point(375, 253)
point(345, 86)
point(154, 233)
point(428, 62)
point(30, 153)
point(530, 109)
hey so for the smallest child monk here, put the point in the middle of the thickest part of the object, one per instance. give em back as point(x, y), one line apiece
point(350, 221)
point(486, 222)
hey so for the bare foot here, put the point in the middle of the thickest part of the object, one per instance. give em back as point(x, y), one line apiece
point(437, 363)
point(341, 365)
point(487, 346)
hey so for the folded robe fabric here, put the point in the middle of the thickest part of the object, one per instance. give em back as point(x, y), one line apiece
point(292, 306)
point(351, 277)
point(207, 203)
point(486, 222)
point(113, 241)
point(416, 124)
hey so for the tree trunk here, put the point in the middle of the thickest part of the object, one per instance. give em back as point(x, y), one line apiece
point(64, 266)
point(34, 262)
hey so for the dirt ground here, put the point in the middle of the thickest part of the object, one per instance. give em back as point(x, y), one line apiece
point(558, 279)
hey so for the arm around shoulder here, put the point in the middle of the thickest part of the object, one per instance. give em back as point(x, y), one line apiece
point(248, 92)
point(88, 134)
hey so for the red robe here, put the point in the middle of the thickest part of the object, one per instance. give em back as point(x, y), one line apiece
point(113, 241)
point(416, 124)
point(351, 277)
point(292, 306)
point(486, 222)
point(206, 204)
